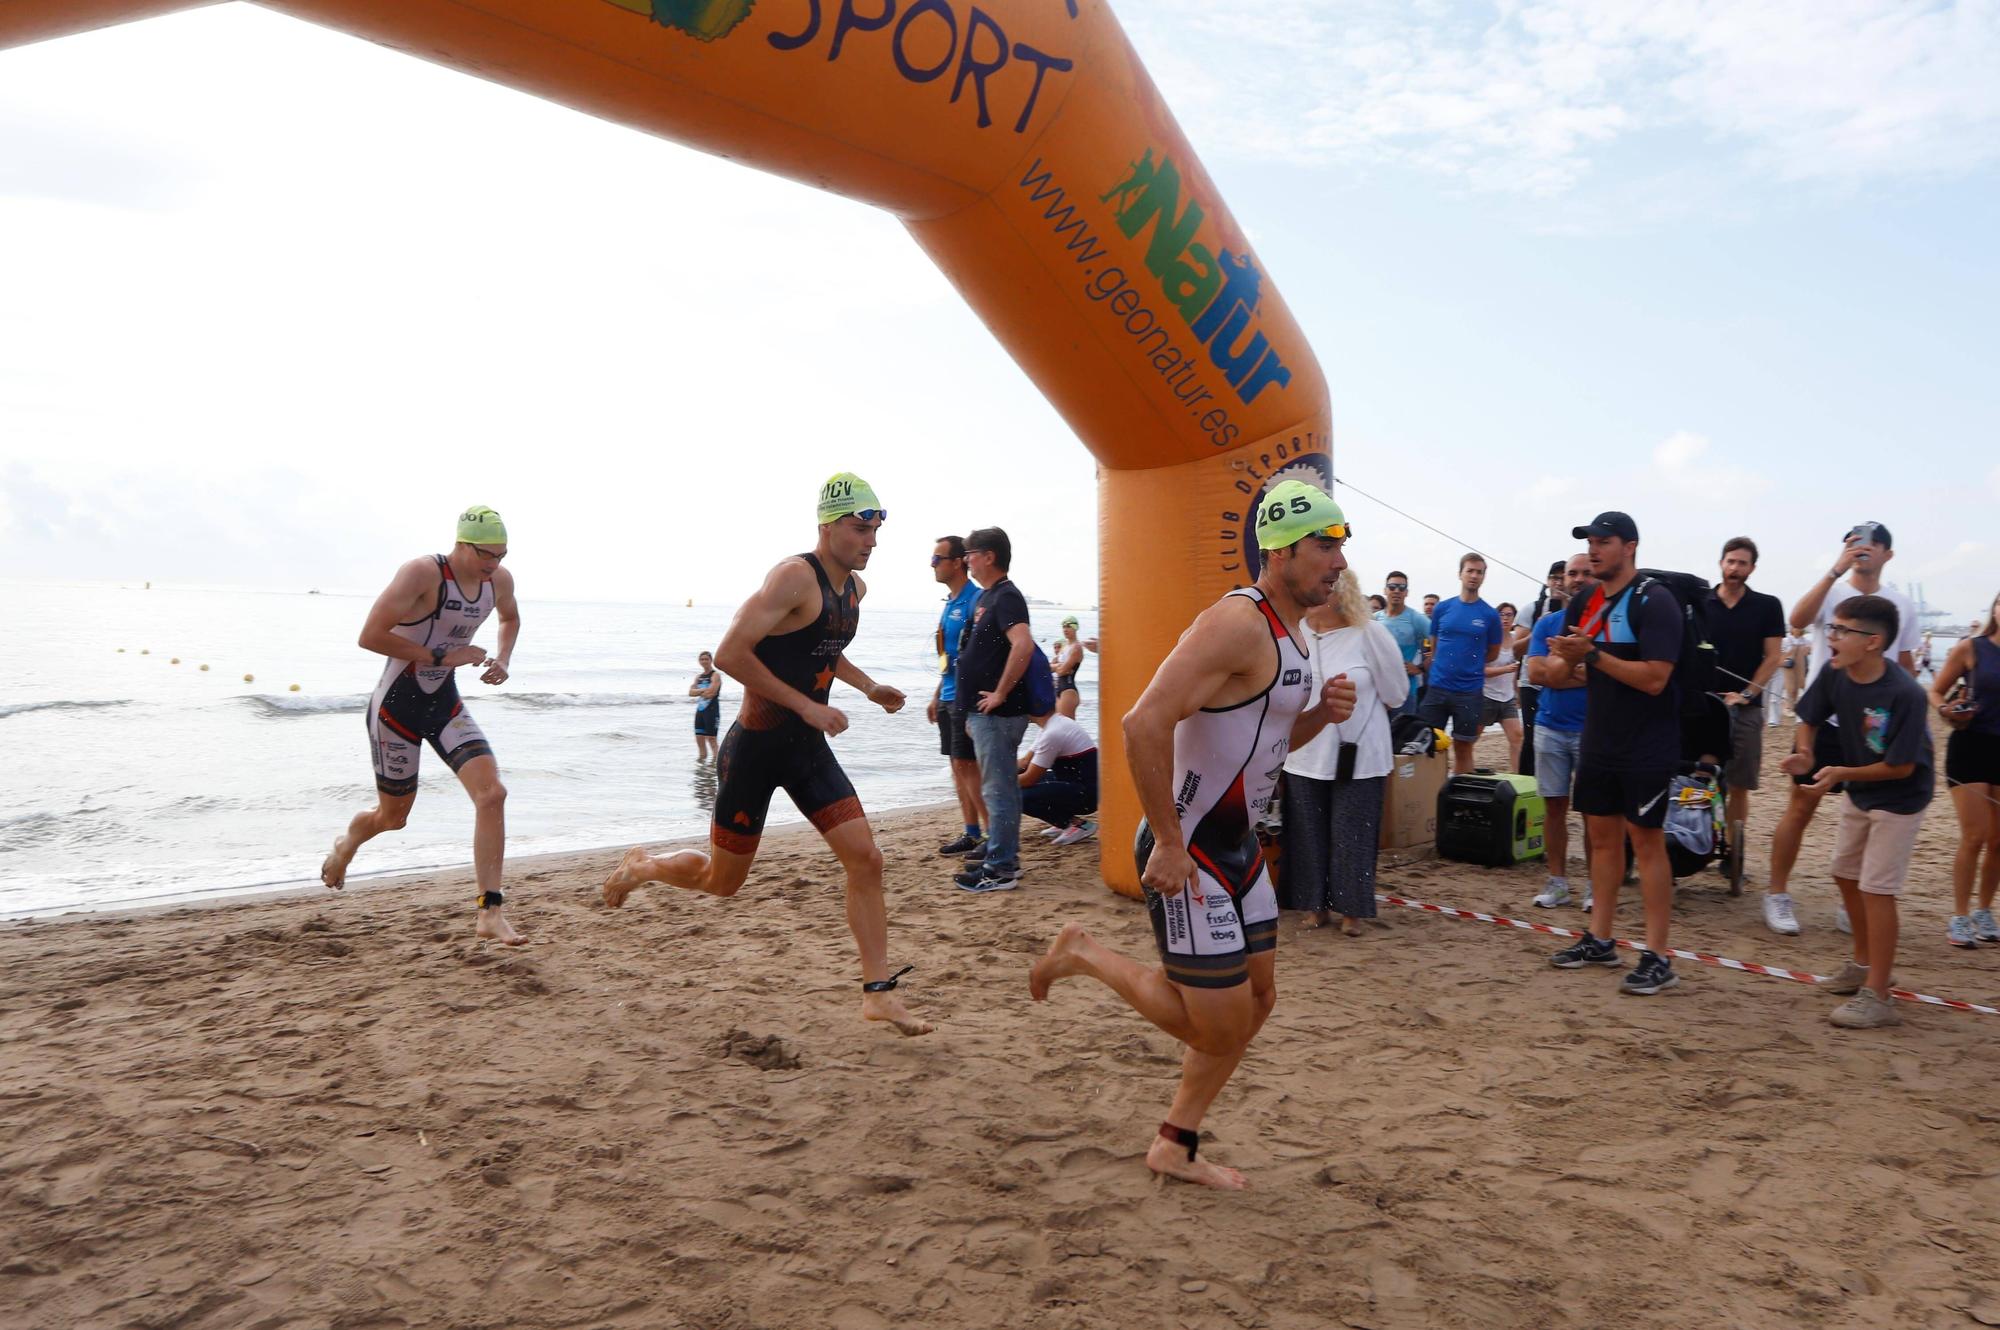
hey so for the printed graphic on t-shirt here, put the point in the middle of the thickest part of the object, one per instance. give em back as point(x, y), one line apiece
point(1875, 729)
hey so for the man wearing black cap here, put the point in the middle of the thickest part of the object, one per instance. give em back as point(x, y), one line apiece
point(1627, 639)
point(1856, 572)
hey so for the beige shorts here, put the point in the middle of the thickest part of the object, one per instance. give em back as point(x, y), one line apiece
point(1874, 848)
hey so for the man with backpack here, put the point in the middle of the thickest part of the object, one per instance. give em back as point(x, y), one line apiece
point(1628, 636)
point(996, 660)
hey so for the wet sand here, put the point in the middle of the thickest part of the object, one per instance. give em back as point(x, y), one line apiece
point(339, 1111)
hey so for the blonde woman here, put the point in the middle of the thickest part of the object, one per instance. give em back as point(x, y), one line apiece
point(1333, 785)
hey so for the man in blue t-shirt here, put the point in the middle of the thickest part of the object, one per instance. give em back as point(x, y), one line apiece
point(1559, 734)
point(1627, 636)
point(961, 594)
point(1409, 626)
point(1467, 632)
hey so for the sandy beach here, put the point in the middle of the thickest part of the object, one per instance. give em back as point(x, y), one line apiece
point(326, 1111)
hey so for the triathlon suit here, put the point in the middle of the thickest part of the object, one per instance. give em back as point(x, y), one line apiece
point(1066, 683)
point(707, 710)
point(1226, 764)
point(417, 705)
point(771, 747)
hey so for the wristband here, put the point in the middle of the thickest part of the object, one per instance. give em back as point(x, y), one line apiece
point(437, 655)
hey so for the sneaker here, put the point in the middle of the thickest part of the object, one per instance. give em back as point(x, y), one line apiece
point(1050, 833)
point(1848, 982)
point(964, 843)
point(1653, 973)
point(1555, 894)
point(976, 857)
point(1840, 920)
point(1587, 950)
point(1959, 932)
point(1079, 831)
point(1779, 916)
point(1983, 927)
point(981, 879)
point(1865, 1011)
point(1588, 903)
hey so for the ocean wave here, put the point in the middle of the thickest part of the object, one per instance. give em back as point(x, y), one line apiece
point(548, 700)
point(287, 704)
point(66, 704)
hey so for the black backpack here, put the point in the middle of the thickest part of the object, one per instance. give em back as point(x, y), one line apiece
point(1695, 672)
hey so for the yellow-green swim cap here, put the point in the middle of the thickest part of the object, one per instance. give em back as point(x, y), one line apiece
point(480, 525)
point(848, 493)
point(1294, 510)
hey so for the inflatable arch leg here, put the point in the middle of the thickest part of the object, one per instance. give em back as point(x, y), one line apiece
point(1025, 147)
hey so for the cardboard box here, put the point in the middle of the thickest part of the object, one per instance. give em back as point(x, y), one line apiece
point(1410, 801)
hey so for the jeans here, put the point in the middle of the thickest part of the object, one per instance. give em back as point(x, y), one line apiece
point(997, 739)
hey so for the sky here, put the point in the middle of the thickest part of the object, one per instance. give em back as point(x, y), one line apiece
point(276, 303)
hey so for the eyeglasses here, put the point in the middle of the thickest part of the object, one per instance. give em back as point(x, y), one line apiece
point(937, 559)
point(1398, 586)
point(1840, 632)
point(484, 553)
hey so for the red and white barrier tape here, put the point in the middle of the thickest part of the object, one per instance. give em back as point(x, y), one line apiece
point(1775, 972)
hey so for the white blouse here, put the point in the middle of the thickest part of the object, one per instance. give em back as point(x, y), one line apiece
point(1373, 663)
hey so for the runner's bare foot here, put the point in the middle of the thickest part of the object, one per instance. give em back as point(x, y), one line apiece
point(887, 1007)
point(333, 868)
point(1317, 919)
point(1058, 962)
point(624, 879)
point(1171, 1159)
point(493, 927)
point(1349, 927)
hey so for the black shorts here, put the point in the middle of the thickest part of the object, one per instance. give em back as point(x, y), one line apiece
point(1207, 932)
point(1972, 758)
point(1826, 753)
point(953, 741)
point(707, 720)
point(752, 765)
point(1640, 797)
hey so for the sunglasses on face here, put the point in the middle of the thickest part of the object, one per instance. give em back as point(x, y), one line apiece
point(1399, 586)
point(937, 559)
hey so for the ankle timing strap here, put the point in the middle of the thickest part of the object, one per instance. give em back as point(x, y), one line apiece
point(1181, 1136)
point(884, 985)
point(488, 899)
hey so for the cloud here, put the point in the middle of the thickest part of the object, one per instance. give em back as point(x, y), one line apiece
point(1532, 97)
point(1682, 462)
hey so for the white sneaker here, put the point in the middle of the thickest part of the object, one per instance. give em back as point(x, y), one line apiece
point(1050, 833)
point(1555, 894)
point(1081, 831)
point(1779, 916)
point(1840, 920)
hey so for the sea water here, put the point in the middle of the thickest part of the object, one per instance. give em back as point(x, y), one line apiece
point(127, 779)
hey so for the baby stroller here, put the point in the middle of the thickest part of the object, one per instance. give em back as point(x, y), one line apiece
point(1698, 830)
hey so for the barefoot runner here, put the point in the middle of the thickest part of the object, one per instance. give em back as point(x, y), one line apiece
point(785, 647)
point(1205, 744)
point(424, 624)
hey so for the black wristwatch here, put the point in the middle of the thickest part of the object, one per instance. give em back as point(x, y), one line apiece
point(1590, 658)
point(437, 655)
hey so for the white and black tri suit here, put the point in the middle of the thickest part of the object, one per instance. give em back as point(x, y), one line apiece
point(1226, 765)
point(418, 704)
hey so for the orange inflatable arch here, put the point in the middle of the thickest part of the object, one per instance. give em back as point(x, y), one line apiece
point(1026, 149)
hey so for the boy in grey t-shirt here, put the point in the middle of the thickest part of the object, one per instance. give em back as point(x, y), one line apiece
point(1886, 765)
